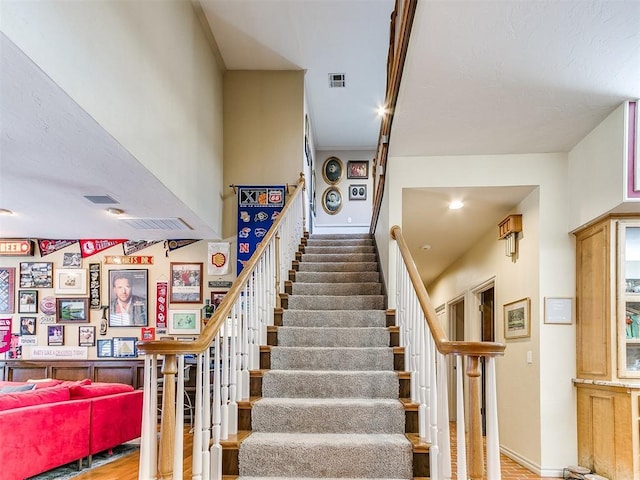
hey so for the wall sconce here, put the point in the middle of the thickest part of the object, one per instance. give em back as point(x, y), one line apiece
point(508, 230)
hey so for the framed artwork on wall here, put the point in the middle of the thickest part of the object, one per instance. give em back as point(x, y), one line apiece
point(27, 301)
point(186, 283)
point(7, 289)
point(27, 325)
point(36, 275)
point(55, 335)
point(105, 347)
point(332, 200)
point(332, 170)
point(125, 347)
point(128, 298)
point(357, 192)
point(70, 281)
point(516, 319)
point(72, 310)
point(86, 336)
point(184, 322)
point(358, 169)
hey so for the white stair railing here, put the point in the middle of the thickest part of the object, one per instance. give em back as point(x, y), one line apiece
point(426, 351)
point(223, 355)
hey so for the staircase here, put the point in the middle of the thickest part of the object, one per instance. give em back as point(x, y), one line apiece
point(329, 390)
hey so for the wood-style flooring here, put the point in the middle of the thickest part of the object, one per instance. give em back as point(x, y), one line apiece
point(126, 468)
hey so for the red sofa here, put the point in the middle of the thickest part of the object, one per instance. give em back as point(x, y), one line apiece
point(61, 422)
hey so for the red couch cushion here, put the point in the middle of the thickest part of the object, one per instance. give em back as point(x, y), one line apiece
point(98, 390)
point(34, 397)
point(45, 383)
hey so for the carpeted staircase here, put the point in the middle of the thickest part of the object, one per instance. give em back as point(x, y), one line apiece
point(329, 406)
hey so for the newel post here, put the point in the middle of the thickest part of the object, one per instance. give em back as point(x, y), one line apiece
point(476, 451)
point(168, 420)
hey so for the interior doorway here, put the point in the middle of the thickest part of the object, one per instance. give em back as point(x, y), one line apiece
point(456, 332)
point(487, 334)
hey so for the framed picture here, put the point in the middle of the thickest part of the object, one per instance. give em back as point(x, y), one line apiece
point(86, 336)
point(70, 281)
point(72, 260)
point(105, 347)
point(558, 310)
point(7, 289)
point(216, 299)
point(357, 192)
point(516, 319)
point(332, 170)
point(185, 322)
point(186, 283)
point(124, 347)
point(27, 325)
point(332, 200)
point(358, 169)
point(55, 334)
point(36, 275)
point(72, 310)
point(27, 301)
point(128, 294)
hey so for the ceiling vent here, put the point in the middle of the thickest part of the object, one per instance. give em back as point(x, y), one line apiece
point(337, 80)
point(100, 199)
point(157, 223)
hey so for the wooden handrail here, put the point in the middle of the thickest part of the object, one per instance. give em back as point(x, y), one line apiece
point(443, 344)
point(399, 34)
point(199, 345)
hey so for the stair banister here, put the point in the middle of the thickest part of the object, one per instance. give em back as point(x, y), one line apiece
point(411, 289)
point(233, 333)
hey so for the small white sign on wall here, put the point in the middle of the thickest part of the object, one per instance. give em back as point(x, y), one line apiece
point(558, 310)
point(58, 353)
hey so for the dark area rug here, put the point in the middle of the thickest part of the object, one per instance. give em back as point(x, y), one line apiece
point(70, 470)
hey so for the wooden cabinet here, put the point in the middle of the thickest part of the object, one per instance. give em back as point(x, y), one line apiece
point(608, 346)
point(130, 372)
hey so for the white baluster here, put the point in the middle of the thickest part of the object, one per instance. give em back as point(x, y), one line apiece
point(179, 429)
point(216, 431)
point(461, 448)
point(149, 438)
point(224, 388)
point(197, 466)
point(493, 437)
point(233, 374)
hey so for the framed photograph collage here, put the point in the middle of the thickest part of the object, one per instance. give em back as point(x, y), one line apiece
point(333, 170)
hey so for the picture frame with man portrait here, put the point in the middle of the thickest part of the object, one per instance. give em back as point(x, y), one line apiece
point(128, 298)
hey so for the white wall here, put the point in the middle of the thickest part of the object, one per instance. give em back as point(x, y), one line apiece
point(146, 73)
point(355, 215)
point(597, 171)
point(527, 392)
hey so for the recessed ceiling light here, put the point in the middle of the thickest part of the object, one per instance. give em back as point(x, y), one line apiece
point(115, 211)
point(456, 205)
point(4, 211)
point(426, 246)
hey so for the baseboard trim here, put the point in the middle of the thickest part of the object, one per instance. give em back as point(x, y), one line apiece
point(535, 468)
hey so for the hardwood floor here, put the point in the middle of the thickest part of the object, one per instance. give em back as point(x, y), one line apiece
point(126, 468)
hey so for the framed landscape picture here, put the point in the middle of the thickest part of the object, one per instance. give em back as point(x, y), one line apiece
point(516, 319)
point(72, 310)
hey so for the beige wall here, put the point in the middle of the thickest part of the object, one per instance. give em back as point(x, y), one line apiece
point(146, 73)
point(159, 271)
point(532, 397)
point(263, 132)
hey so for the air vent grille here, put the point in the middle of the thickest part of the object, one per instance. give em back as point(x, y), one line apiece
point(101, 199)
point(157, 223)
point(337, 80)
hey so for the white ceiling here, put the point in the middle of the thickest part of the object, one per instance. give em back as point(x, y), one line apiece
point(481, 76)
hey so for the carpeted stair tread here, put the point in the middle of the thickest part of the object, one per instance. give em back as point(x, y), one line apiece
point(305, 454)
point(325, 249)
point(331, 358)
point(339, 241)
point(338, 257)
point(336, 277)
point(339, 289)
point(328, 415)
point(341, 266)
point(334, 318)
point(336, 302)
point(339, 236)
point(330, 384)
point(312, 336)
